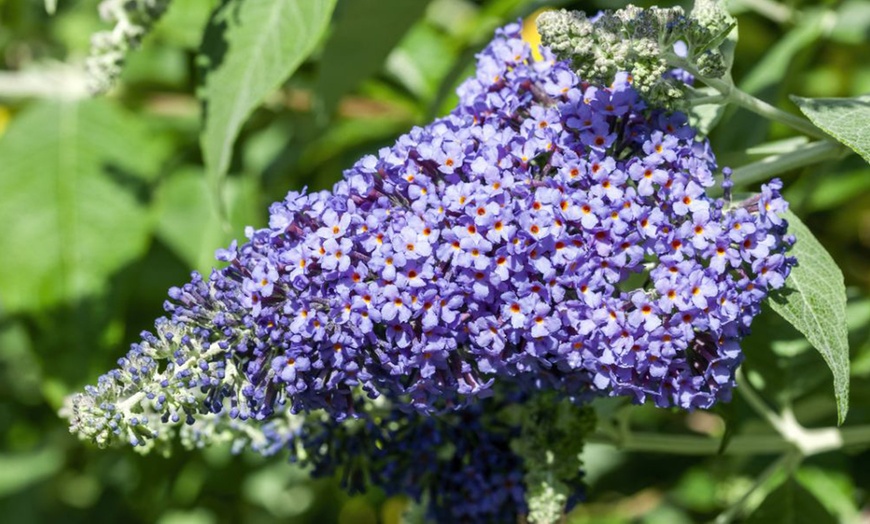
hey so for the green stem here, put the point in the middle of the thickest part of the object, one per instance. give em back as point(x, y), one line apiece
point(766, 444)
point(807, 441)
point(756, 105)
point(703, 100)
point(787, 462)
point(855, 436)
point(790, 437)
point(775, 11)
point(747, 391)
point(743, 99)
point(739, 445)
point(812, 153)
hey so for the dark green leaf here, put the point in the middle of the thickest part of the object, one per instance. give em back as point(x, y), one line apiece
point(348, 60)
point(814, 302)
point(347, 133)
point(71, 171)
point(846, 119)
point(252, 46)
point(790, 504)
point(783, 365)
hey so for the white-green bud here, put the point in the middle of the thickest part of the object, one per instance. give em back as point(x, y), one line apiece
point(552, 436)
point(133, 20)
point(641, 42)
point(711, 14)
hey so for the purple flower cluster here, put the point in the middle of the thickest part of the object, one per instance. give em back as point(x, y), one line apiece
point(547, 234)
point(501, 241)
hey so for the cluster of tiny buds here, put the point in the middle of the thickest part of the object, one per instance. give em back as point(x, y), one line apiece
point(646, 43)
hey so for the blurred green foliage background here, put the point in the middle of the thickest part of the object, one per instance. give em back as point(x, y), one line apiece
point(104, 205)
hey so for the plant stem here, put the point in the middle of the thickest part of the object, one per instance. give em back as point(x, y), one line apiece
point(712, 99)
point(756, 105)
point(55, 82)
point(747, 391)
point(812, 153)
point(750, 444)
point(775, 11)
point(791, 438)
point(787, 462)
point(743, 99)
point(646, 442)
point(733, 94)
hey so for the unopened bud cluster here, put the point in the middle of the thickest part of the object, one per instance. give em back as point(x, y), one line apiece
point(646, 43)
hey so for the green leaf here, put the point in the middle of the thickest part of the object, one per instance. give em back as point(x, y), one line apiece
point(846, 119)
point(833, 489)
point(779, 147)
point(783, 365)
point(183, 23)
point(728, 46)
point(814, 302)
point(774, 65)
point(71, 171)
point(250, 47)
point(422, 60)
point(188, 222)
point(853, 22)
point(19, 471)
point(836, 189)
point(365, 32)
point(790, 503)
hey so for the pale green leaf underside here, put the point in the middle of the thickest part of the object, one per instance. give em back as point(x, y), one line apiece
point(253, 46)
point(70, 222)
point(846, 119)
point(814, 302)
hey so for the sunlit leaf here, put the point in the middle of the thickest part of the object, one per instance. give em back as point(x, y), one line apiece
point(71, 172)
point(252, 46)
point(833, 489)
point(814, 302)
point(846, 119)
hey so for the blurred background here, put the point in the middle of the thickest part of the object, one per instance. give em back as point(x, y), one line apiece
point(104, 205)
